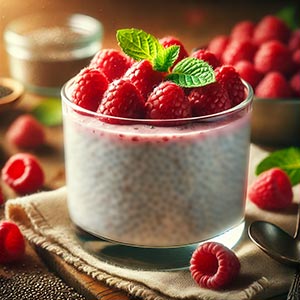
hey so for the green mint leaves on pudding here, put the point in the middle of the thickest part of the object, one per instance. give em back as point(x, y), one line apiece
point(286, 159)
point(140, 45)
point(190, 72)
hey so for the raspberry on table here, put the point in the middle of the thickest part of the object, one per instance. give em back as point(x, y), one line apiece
point(23, 173)
point(168, 101)
point(209, 99)
point(271, 28)
point(168, 41)
point(218, 45)
point(238, 50)
point(214, 266)
point(272, 190)
point(111, 62)
point(122, 99)
point(273, 85)
point(229, 78)
point(142, 75)
point(248, 72)
point(26, 132)
point(207, 56)
point(273, 56)
point(12, 243)
point(243, 31)
point(88, 88)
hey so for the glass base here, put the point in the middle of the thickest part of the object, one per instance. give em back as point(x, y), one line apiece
point(150, 258)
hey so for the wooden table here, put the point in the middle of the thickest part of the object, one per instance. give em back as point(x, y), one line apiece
point(195, 22)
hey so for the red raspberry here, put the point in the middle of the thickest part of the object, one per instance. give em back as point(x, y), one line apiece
point(207, 56)
point(89, 87)
point(23, 173)
point(295, 84)
point(168, 41)
point(111, 62)
point(271, 28)
point(142, 75)
point(209, 99)
point(26, 132)
point(273, 85)
point(248, 72)
point(168, 101)
point(229, 78)
point(294, 41)
point(12, 243)
point(238, 50)
point(273, 56)
point(214, 266)
point(218, 45)
point(243, 31)
point(272, 190)
point(122, 99)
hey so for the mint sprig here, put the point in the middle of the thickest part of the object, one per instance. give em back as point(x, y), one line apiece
point(286, 159)
point(289, 15)
point(139, 45)
point(189, 72)
point(192, 72)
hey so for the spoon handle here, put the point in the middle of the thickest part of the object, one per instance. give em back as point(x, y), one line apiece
point(294, 292)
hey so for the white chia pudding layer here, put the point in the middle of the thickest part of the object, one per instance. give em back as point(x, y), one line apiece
point(156, 186)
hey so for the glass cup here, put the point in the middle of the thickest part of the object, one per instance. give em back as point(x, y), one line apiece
point(45, 50)
point(150, 184)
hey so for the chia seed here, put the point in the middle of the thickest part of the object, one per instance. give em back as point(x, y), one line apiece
point(36, 286)
point(5, 91)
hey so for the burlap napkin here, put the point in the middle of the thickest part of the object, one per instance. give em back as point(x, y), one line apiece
point(44, 220)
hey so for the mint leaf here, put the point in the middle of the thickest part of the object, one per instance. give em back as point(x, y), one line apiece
point(138, 44)
point(192, 72)
point(166, 58)
point(49, 112)
point(289, 15)
point(286, 159)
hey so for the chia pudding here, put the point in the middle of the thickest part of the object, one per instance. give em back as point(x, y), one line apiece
point(156, 186)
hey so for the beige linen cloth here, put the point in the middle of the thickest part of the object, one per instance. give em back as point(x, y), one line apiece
point(44, 220)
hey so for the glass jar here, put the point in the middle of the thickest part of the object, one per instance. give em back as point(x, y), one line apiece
point(152, 184)
point(46, 50)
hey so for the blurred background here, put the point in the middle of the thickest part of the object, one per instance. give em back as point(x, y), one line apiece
point(195, 22)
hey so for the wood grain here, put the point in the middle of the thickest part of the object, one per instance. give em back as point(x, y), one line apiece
point(84, 284)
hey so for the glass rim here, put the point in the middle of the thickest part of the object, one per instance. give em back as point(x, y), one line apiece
point(12, 36)
point(207, 118)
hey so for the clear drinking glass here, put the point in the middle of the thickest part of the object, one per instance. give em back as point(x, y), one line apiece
point(158, 184)
point(46, 50)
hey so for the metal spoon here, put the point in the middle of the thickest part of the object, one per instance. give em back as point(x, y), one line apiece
point(281, 246)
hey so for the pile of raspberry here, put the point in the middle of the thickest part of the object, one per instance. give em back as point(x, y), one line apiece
point(115, 85)
point(266, 54)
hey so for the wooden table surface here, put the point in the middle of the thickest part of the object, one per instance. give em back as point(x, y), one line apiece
point(194, 22)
